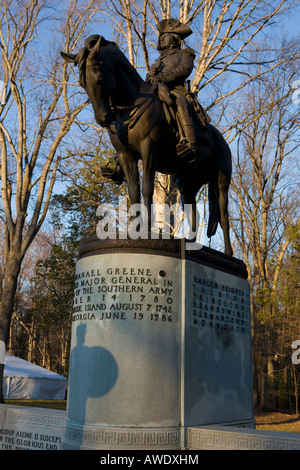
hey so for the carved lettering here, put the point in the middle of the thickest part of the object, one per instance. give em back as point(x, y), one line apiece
point(219, 306)
point(123, 293)
point(11, 439)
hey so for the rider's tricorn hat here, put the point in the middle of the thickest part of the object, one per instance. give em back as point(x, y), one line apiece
point(174, 26)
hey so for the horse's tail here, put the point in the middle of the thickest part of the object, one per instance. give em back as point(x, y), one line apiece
point(214, 211)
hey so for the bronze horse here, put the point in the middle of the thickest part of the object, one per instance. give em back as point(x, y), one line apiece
point(138, 128)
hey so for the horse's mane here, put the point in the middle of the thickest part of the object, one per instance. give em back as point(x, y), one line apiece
point(118, 69)
point(111, 53)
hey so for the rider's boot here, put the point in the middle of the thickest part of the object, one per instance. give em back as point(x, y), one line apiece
point(187, 148)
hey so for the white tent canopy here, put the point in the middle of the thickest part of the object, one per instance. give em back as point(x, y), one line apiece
point(22, 379)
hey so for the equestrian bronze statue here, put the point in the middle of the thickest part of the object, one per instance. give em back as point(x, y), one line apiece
point(158, 121)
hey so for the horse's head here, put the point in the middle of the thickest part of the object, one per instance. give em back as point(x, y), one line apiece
point(91, 78)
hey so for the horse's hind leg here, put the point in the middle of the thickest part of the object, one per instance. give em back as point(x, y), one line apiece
point(188, 197)
point(223, 184)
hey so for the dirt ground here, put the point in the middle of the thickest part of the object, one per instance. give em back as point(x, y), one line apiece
point(276, 421)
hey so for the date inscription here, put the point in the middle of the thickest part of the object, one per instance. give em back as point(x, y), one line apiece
point(123, 294)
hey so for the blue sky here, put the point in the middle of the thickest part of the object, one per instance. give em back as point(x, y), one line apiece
point(289, 27)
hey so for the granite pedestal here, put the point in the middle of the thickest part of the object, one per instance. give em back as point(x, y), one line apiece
point(161, 341)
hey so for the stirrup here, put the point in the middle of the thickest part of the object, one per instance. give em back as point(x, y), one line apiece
point(113, 174)
point(185, 153)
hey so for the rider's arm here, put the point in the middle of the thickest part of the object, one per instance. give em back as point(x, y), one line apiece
point(154, 70)
point(182, 71)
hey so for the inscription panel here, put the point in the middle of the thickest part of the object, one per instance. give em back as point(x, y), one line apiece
point(124, 293)
point(218, 363)
point(219, 305)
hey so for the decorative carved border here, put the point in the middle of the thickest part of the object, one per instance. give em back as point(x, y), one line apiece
point(97, 437)
point(33, 416)
point(216, 438)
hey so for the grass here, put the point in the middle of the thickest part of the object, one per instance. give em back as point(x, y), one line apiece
point(276, 421)
point(52, 404)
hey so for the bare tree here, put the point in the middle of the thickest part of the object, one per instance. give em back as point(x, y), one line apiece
point(30, 137)
point(265, 203)
point(224, 33)
point(265, 195)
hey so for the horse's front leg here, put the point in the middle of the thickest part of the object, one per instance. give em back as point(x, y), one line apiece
point(129, 165)
point(130, 169)
point(148, 153)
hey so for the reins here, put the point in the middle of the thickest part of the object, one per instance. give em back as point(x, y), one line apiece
point(137, 110)
point(112, 106)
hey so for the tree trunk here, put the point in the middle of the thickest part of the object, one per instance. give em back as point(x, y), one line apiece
point(296, 390)
point(12, 271)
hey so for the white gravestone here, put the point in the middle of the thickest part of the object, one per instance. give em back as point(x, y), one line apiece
point(26, 428)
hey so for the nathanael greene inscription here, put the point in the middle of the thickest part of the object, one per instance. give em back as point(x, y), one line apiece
point(146, 294)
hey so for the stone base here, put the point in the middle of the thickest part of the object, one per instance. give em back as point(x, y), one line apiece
point(112, 438)
point(25, 428)
point(161, 341)
point(232, 438)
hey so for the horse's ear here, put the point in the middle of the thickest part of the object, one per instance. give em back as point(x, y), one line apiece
point(96, 48)
point(68, 57)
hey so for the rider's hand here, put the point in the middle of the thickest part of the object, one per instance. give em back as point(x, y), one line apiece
point(155, 79)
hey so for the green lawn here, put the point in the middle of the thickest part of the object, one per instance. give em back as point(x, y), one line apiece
point(53, 404)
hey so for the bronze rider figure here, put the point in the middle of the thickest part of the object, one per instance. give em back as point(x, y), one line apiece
point(169, 73)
